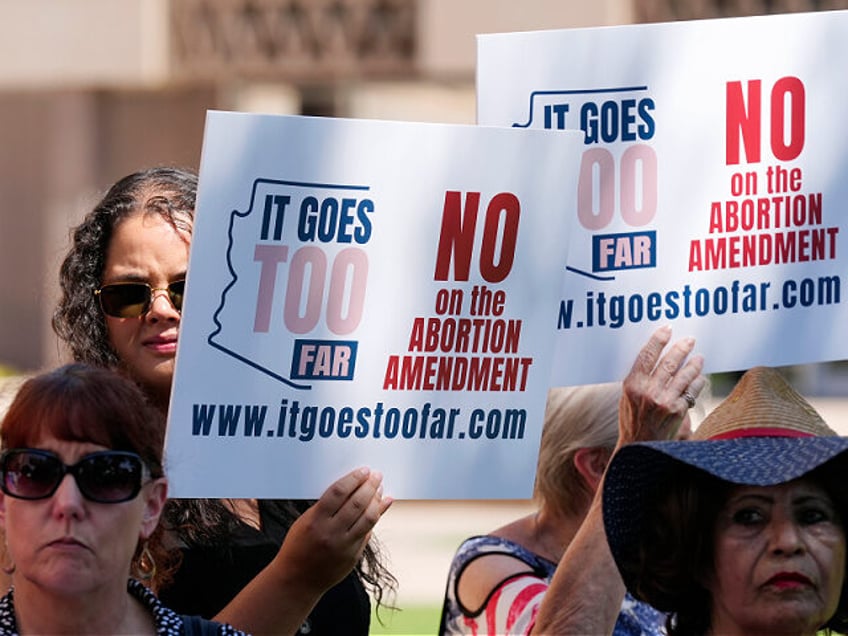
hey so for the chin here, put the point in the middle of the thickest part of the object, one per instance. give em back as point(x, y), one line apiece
point(158, 377)
point(795, 620)
point(67, 581)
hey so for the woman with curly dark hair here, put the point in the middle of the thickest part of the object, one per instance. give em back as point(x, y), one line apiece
point(740, 530)
point(122, 285)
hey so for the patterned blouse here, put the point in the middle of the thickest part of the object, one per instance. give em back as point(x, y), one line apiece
point(512, 607)
point(168, 622)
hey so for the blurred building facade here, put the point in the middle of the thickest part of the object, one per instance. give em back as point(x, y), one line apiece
point(91, 90)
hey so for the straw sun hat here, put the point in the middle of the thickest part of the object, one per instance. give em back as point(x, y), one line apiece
point(764, 433)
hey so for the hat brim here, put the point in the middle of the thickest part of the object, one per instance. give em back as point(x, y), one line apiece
point(637, 470)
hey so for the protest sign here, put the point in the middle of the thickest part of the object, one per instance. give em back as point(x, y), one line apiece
point(711, 186)
point(368, 293)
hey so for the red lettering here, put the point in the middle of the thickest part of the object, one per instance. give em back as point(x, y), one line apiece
point(744, 121)
point(457, 236)
point(793, 87)
point(507, 204)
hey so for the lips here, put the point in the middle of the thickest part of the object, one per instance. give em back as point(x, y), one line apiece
point(789, 580)
point(67, 543)
point(161, 343)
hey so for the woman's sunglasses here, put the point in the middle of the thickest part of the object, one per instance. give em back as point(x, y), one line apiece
point(131, 300)
point(103, 477)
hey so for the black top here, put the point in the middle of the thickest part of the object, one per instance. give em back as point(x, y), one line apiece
point(211, 576)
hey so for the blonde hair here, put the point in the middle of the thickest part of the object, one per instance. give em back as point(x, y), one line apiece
point(575, 417)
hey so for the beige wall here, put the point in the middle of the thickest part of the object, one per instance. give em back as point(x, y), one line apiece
point(125, 43)
point(447, 27)
point(59, 151)
point(78, 43)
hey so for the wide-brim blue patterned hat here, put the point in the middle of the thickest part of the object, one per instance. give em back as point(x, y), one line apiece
point(763, 434)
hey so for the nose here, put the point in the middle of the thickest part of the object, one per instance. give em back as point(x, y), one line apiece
point(161, 307)
point(785, 536)
point(68, 500)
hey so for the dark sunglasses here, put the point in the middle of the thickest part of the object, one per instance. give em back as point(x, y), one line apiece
point(104, 476)
point(131, 300)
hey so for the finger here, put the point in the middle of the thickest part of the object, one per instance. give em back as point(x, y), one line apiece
point(697, 385)
point(686, 375)
point(385, 504)
point(358, 503)
point(341, 490)
point(693, 389)
point(672, 362)
point(689, 393)
point(648, 355)
point(371, 515)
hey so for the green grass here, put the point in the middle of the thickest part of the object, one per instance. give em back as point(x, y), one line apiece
point(409, 621)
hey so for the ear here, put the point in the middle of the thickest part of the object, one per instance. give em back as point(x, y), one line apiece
point(156, 494)
point(591, 463)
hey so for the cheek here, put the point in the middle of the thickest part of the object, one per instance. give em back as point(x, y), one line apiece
point(119, 333)
point(733, 560)
point(831, 557)
point(20, 525)
point(118, 529)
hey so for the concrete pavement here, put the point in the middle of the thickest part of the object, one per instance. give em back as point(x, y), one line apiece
point(420, 538)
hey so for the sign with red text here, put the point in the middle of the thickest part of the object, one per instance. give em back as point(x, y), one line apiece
point(368, 293)
point(711, 185)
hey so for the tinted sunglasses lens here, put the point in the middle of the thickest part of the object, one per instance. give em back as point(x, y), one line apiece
point(175, 291)
point(109, 477)
point(125, 300)
point(29, 475)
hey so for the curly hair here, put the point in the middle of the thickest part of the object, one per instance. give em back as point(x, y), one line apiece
point(78, 319)
point(673, 566)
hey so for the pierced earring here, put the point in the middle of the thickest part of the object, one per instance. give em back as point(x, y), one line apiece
point(146, 565)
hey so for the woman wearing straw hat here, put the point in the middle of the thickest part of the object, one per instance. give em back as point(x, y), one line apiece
point(741, 530)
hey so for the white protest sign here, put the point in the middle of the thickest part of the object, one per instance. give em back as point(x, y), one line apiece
point(711, 187)
point(368, 293)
